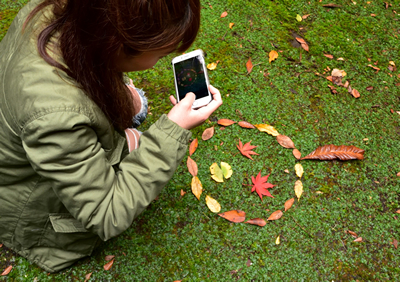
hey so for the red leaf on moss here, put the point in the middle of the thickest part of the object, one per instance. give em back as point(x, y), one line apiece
point(226, 122)
point(108, 265)
point(246, 149)
point(257, 221)
point(193, 146)
point(249, 66)
point(261, 186)
point(234, 215)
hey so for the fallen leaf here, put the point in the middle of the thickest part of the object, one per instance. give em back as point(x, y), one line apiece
point(286, 170)
point(398, 211)
point(226, 170)
point(246, 124)
point(212, 66)
point(248, 263)
point(329, 78)
point(289, 204)
point(218, 174)
point(108, 265)
point(338, 73)
point(249, 66)
point(224, 14)
point(192, 166)
point(273, 55)
point(354, 234)
point(226, 122)
point(1, 245)
point(208, 133)
point(299, 170)
point(278, 240)
point(212, 204)
point(197, 188)
point(275, 215)
point(267, 128)
point(340, 59)
point(395, 243)
point(300, 40)
point(257, 221)
point(246, 149)
point(359, 239)
point(296, 154)
point(355, 93)
point(305, 16)
point(7, 270)
point(299, 18)
point(375, 68)
point(392, 63)
point(298, 188)
point(285, 141)
point(87, 276)
point(231, 25)
point(261, 186)
point(331, 152)
point(332, 5)
point(398, 174)
point(183, 193)
point(346, 84)
point(193, 146)
point(234, 215)
point(109, 257)
point(328, 56)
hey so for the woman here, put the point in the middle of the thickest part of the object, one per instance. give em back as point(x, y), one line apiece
point(67, 178)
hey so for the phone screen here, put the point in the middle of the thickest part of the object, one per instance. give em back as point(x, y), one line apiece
point(190, 77)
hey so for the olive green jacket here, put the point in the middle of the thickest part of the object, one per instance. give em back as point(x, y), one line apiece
point(67, 180)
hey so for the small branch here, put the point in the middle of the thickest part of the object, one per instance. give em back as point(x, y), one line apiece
point(301, 227)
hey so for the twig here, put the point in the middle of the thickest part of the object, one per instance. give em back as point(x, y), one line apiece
point(302, 227)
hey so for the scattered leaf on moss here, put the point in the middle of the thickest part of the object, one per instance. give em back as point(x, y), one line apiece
point(212, 66)
point(275, 215)
point(261, 186)
point(285, 141)
point(354, 234)
point(299, 18)
point(109, 257)
point(197, 188)
point(108, 265)
point(224, 14)
point(7, 270)
point(298, 188)
point(225, 122)
point(395, 243)
point(231, 25)
point(249, 66)
point(208, 133)
point(183, 193)
point(267, 128)
point(328, 56)
point(246, 149)
point(87, 277)
point(299, 170)
point(212, 204)
point(296, 154)
point(246, 124)
point(355, 93)
point(226, 170)
point(273, 55)
point(193, 146)
point(257, 221)
point(192, 166)
point(331, 152)
point(218, 174)
point(278, 240)
point(234, 215)
point(305, 16)
point(289, 204)
point(359, 239)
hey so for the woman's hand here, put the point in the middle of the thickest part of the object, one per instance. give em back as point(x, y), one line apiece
point(188, 118)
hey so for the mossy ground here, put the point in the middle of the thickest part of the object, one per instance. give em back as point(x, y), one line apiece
point(178, 238)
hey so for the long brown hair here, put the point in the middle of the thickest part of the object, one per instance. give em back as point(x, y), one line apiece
point(90, 32)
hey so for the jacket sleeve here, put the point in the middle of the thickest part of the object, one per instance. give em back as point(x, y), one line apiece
point(62, 148)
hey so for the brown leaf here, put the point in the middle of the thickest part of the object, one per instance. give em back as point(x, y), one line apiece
point(257, 221)
point(300, 40)
point(108, 265)
point(395, 243)
point(285, 141)
point(305, 16)
point(296, 154)
point(333, 89)
point(329, 78)
point(289, 203)
point(328, 56)
point(354, 234)
point(208, 133)
point(275, 215)
point(7, 270)
point(226, 122)
point(331, 152)
point(248, 263)
point(249, 66)
point(193, 146)
point(183, 193)
point(369, 88)
point(224, 14)
point(305, 46)
point(359, 239)
point(234, 215)
point(246, 124)
point(109, 257)
point(87, 276)
point(332, 5)
point(355, 93)
point(192, 166)
point(346, 84)
point(375, 68)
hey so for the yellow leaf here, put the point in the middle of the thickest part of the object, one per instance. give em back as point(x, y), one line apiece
point(273, 55)
point(392, 63)
point(298, 188)
point(231, 25)
point(216, 173)
point(278, 240)
point(197, 188)
point(226, 170)
point(299, 18)
point(299, 170)
point(212, 66)
point(212, 204)
point(267, 128)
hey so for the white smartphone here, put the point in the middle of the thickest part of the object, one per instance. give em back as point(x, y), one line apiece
point(190, 73)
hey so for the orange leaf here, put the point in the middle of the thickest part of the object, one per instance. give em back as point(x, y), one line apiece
point(285, 141)
point(375, 68)
point(109, 257)
point(234, 215)
point(245, 124)
point(183, 193)
point(249, 66)
point(398, 211)
point(331, 152)
point(328, 56)
point(257, 221)
point(359, 239)
point(296, 154)
point(329, 78)
point(108, 265)
point(300, 40)
point(305, 16)
point(305, 46)
point(224, 14)
point(226, 122)
point(355, 93)
point(192, 166)
point(231, 25)
point(208, 133)
point(275, 215)
point(354, 234)
point(7, 270)
point(246, 149)
point(193, 146)
point(288, 204)
point(273, 55)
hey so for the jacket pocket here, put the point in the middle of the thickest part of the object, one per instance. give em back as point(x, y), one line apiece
point(62, 231)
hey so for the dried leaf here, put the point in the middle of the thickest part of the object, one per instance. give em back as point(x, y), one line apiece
point(226, 122)
point(267, 128)
point(305, 46)
point(298, 188)
point(354, 234)
point(375, 68)
point(246, 149)
point(305, 16)
point(183, 193)
point(108, 265)
point(278, 240)
point(249, 66)
point(286, 170)
point(300, 40)
point(109, 257)
point(299, 18)
point(7, 270)
point(273, 55)
point(289, 204)
point(224, 14)
point(369, 88)
point(355, 93)
point(192, 166)
point(197, 188)
point(395, 243)
point(208, 133)
point(328, 56)
point(193, 146)
point(338, 73)
point(333, 89)
point(246, 124)
point(346, 84)
point(231, 25)
point(234, 215)
point(359, 239)
point(296, 154)
point(331, 152)
point(212, 66)
point(332, 5)
point(275, 215)
point(329, 78)
point(285, 141)
point(212, 204)
point(87, 276)
point(299, 170)
point(257, 221)
point(261, 186)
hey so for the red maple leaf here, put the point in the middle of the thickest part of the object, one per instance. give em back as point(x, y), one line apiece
point(246, 149)
point(261, 185)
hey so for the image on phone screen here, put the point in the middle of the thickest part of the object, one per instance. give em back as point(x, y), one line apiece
point(190, 77)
